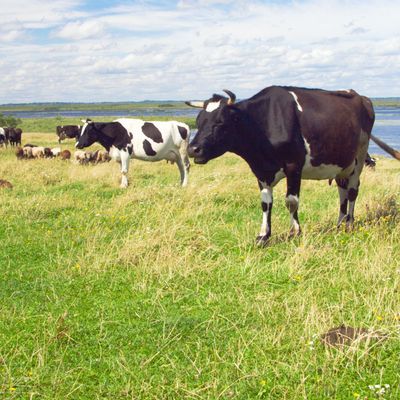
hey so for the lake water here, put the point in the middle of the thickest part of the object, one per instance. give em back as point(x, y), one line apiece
point(387, 123)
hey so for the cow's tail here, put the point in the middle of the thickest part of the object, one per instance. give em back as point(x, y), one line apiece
point(394, 153)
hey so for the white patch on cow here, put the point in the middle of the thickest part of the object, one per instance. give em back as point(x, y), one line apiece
point(322, 171)
point(124, 181)
point(292, 203)
point(299, 107)
point(81, 132)
point(267, 198)
point(114, 154)
point(213, 106)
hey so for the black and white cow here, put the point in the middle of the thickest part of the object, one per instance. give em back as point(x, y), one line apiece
point(67, 131)
point(127, 138)
point(3, 138)
point(294, 133)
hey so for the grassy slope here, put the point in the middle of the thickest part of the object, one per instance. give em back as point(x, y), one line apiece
point(158, 292)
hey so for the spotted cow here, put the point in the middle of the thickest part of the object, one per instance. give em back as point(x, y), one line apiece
point(293, 133)
point(127, 138)
point(3, 138)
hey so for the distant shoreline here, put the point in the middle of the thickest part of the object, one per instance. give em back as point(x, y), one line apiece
point(129, 106)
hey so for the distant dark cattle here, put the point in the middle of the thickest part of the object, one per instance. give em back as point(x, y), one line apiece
point(67, 131)
point(290, 132)
point(134, 138)
point(15, 135)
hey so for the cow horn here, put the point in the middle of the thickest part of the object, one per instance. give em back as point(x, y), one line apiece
point(196, 104)
point(232, 96)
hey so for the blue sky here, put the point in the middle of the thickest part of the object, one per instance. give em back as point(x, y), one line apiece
point(73, 50)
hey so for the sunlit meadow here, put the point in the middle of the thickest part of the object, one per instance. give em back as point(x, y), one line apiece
point(158, 292)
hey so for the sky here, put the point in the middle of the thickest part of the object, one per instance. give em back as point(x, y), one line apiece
point(93, 51)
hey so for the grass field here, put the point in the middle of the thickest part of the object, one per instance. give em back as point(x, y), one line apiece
point(48, 125)
point(158, 292)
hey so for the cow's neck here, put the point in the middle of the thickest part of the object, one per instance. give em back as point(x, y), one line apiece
point(251, 144)
point(104, 139)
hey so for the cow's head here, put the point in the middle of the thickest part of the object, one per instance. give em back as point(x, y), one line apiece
point(216, 124)
point(87, 135)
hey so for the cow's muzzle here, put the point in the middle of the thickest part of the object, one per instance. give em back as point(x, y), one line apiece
point(197, 153)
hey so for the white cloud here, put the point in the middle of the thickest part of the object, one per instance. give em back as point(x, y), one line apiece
point(11, 35)
point(137, 51)
point(81, 30)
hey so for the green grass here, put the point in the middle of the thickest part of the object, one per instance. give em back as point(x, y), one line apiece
point(92, 106)
point(49, 125)
point(158, 292)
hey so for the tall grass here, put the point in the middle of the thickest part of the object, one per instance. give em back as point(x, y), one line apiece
point(158, 292)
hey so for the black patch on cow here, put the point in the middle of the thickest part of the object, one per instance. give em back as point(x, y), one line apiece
point(151, 131)
point(148, 149)
point(352, 195)
point(183, 132)
point(130, 149)
point(342, 183)
point(343, 207)
point(264, 206)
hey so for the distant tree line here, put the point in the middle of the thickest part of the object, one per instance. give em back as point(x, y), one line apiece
point(9, 120)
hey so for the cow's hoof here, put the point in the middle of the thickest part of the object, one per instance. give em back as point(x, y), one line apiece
point(294, 233)
point(262, 241)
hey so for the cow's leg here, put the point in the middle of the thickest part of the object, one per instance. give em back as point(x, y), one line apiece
point(342, 185)
point(352, 192)
point(184, 158)
point(124, 156)
point(182, 169)
point(266, 205)
point(293, 181)
point(348, 192)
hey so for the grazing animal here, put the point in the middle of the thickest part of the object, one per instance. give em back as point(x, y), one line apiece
point(3, 139)
point(65, 155)
point(293, 133)
point(370, 161)
point(14, 135)
point(56, 151)
point(48, 153)
point(38, 152)
point(27, 150)
point(19, 152)
point(103, 156)
point(5, 184)
point(133, 138)
point(81, 157)
point(67, 131)
point(91, 156)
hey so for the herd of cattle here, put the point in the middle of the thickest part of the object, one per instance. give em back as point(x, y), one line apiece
point(281, 132)
point(10, 136)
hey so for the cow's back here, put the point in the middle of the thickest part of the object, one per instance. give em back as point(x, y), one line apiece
point(333, 124)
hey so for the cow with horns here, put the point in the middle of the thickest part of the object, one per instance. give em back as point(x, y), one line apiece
point(293, 133)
